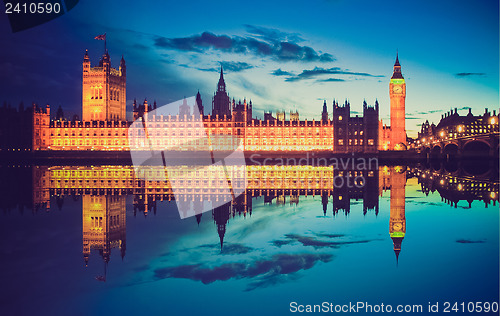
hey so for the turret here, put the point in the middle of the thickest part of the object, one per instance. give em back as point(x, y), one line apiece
point(106, 62)
point(324, 113)
point(123, 68)
point(86, 63)
point(199, 103)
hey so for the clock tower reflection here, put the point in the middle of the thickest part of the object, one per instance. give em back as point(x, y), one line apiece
point(397, 221)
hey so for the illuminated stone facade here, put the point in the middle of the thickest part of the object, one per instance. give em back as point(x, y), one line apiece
point(104, 92)
point(104, 126)
point(103, 190)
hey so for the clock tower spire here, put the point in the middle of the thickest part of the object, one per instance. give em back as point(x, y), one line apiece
point(397, 93)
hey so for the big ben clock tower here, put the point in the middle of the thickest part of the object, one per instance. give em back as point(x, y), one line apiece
point(397, 93)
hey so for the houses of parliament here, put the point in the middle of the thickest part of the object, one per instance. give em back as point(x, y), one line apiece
point(104, 126)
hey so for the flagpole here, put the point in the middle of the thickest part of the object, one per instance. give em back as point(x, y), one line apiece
point(105, 50)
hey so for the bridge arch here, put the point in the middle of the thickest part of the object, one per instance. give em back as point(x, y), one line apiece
point(480, 140)
point(476, 148)
point(435, 152)
point(451, 150)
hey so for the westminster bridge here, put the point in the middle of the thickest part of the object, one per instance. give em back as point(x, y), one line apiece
point(459, 136)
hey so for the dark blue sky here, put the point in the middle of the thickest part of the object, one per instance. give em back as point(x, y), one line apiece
point(282, 55)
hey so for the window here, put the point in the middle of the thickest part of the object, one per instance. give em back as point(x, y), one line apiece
point(370, 142)
point(341, 142)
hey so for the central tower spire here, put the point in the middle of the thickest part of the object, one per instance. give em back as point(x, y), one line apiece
point(222, 84)
point(221, 104)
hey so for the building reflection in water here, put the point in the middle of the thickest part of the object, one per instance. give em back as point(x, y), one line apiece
point(104, 189)
point(103, 226)
point(396, 176)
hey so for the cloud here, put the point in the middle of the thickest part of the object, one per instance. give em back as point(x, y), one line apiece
point(266, 272)
point(425, 112)
point(413, 115)
point(278, 72)
point(270, 42)
point(254, 89)
point(279, 243)
point(314, 242)
point(469, 74)
point(468, 241)
point(229, 66)
point(230, 248)
point(330, 80)
point(273, 35)
point(330, 235)
point(318, 71)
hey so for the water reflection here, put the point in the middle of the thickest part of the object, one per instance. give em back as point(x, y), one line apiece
point(103, 192)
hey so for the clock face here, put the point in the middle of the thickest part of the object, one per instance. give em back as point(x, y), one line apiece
point(397, 89)
point(397, 226)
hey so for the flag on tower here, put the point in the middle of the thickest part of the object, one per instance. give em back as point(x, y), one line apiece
point(101, 37)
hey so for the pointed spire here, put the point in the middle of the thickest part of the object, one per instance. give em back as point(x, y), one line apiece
point(222, 84)
point(397, 69)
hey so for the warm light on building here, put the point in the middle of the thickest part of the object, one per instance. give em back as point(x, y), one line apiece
point(104, 127)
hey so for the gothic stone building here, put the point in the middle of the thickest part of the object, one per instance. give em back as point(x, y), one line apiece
point(104, 125)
